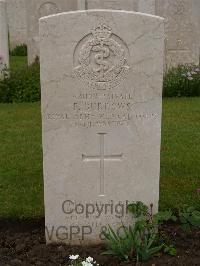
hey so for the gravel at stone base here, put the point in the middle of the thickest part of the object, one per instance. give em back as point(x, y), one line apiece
point(23, 243)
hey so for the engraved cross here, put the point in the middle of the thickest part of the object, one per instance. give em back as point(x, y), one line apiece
point(102, 158)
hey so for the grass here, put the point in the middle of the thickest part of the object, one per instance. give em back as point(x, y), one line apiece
point(21, 185)
point(17, 62)
point(180, 153)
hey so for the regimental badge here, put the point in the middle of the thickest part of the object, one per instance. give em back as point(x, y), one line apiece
point(101, 59)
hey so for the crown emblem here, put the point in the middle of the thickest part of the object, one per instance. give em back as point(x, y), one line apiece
point(102, 32)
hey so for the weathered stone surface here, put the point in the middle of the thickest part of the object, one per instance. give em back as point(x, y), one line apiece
point(37, 9)
point(147, 6)
point(81, 4)
point(130, 5)
point(16, 12)
point(181, 37)
point(101, 110)
point(196, 20)
point(4, 50)
point(144, 6)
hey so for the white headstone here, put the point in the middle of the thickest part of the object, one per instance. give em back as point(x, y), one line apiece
point(129, 5)
point(144, 6)
point(81, 4)
point(101, 109)
point(37, 9)
point(147, 6)
point(196, 19)
point(16, 12)
point(181, 37)
point(4, 50)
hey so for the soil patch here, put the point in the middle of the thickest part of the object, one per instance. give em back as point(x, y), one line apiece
point(23, 243)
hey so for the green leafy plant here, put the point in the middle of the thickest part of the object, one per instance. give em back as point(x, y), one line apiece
point(19, 50)
point(170, 249)
point(164, 216)
point(146, 243)
point(138, 209)
point(21, 85)
point(120, 245)
point(3, 68)
point(141, 240)
point(183, 80)
point(189, 216)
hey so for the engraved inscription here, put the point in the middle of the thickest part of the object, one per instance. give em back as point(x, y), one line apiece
point(89, 110)
point(102, 109)
point(102, 157)
point(101, 59)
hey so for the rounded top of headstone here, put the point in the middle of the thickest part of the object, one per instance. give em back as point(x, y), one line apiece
point(100, 11)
